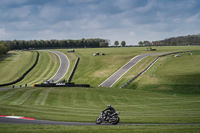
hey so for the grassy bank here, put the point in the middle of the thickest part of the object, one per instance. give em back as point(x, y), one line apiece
point(94, 70)
point(149, 99)
point(85, 104)
point(47, 66)
point(14, 66)
point(170, 74)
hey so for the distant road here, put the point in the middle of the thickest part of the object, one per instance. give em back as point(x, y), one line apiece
point(64, 66)
point(118, 74)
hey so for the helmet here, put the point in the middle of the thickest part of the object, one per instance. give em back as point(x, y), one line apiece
point(108, 106)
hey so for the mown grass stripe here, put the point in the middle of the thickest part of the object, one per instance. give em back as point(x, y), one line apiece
point(54, 64)
point(23, 97)
point(46, 70)
point(52, 111)
point(42, 97)
point(35, 73)
point(43, 70)
point(43, 63)
point(21, 61)
point(9, 94)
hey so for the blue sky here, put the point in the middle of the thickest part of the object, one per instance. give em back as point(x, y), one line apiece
point(128, 20)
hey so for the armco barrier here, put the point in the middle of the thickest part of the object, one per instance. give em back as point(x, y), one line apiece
point(127, 83)
point(74, 69)
point(22, 77)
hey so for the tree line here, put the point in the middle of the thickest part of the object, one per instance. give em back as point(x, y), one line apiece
point(42, 44)
point(174, 41)
point(3, 48)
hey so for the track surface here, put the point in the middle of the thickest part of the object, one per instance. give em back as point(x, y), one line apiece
point(64, 65)
point(118, 74)
point(44, 122)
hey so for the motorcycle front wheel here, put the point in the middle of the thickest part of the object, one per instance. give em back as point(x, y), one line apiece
point(98, 121)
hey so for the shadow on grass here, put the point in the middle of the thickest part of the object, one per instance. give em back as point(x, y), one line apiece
point(3, 57)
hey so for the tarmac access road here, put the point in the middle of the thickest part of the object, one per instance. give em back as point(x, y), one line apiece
point(118, 74)
point(45, 122)
point(64, 66)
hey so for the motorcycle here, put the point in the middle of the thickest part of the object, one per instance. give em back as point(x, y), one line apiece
point(112, 118)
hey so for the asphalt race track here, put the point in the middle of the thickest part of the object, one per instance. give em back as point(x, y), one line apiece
point(64, 65)
point(45, 122)
point(118, 74)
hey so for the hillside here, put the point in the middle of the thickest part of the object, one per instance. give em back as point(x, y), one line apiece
point(94, 70)
point(170, 74)
point(14, 66)
point(181, 40)
point(149, 99)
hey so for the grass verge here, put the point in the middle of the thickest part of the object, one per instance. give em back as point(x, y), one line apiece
point(10, 128)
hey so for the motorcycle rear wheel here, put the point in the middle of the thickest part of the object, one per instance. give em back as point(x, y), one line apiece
point(116, 121)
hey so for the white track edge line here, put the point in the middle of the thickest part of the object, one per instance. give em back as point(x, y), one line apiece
point(117, 70)
point(60, 64)
point(128, 70)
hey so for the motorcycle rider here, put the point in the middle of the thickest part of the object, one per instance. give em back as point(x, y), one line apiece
point(110, 112)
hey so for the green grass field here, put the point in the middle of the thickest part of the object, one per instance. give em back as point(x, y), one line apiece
point(85, 104)
point(149, 99)
point(14, 66)
point(170, 74)
point(45, 69)
point(94, 70)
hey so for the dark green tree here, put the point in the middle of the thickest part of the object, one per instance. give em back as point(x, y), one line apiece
point(123, 43)
point(3, 48)
point(140, 43)
point(116, 43)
